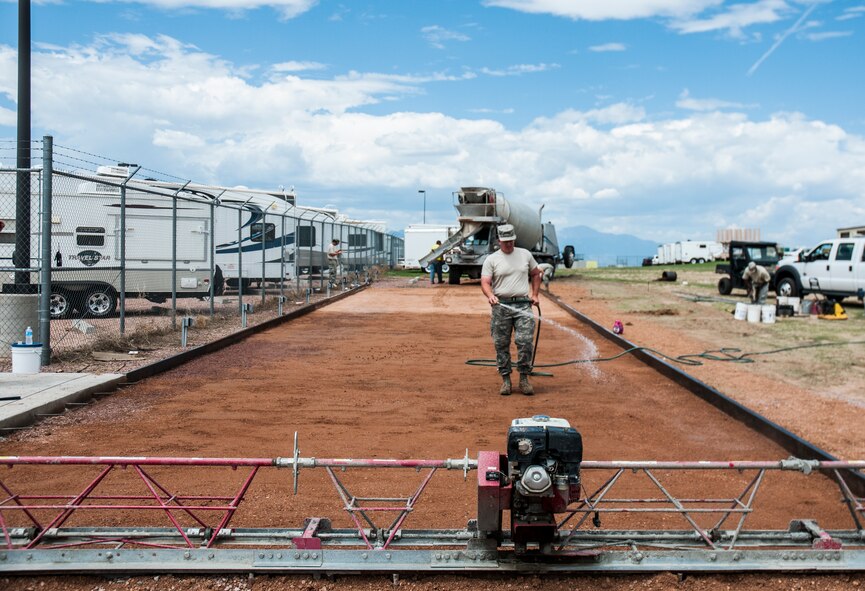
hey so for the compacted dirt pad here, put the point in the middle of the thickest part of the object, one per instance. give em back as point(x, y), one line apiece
point(382, 374)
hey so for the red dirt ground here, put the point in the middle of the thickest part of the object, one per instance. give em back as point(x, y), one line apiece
point(382, 374)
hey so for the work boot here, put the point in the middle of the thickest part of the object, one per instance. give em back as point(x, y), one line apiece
point(505, 390)
point(525, 386)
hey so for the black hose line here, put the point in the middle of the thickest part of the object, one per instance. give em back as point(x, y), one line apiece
point(730, 354)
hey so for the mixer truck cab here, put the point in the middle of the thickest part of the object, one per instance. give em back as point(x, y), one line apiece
point(480, 211)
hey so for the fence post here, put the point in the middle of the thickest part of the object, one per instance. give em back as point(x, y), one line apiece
point(311, 245)
point(212, 254)
point(123, 249)
point(174, 262)
point(45, 295)
point(294, 221)
point(282, 257)
point(240, 261)
point(323, 261)
point(263, 251)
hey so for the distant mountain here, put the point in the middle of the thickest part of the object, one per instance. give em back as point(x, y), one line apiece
point(607, 249)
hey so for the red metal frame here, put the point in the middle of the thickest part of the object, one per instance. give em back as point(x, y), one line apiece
point(160, 498)
point(213, 512)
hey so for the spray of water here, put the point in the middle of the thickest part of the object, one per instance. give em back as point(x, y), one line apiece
point(588, 350)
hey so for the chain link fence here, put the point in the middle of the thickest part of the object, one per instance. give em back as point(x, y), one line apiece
point(135, 255)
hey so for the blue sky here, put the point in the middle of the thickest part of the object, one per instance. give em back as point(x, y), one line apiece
point(666, 119)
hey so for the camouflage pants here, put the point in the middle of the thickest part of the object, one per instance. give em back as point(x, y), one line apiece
point(333, 268)
point(521, 322)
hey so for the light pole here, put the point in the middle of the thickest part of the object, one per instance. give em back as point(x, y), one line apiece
point(424, 204)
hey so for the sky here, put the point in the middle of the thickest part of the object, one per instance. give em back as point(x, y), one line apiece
point(664, 119)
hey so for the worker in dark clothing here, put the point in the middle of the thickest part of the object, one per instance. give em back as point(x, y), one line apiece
point(437, 265)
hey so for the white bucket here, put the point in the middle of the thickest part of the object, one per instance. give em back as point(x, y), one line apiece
point(754, 311)
point(805, 307)
point(741, 311)
point(791, 301)
point(768, 315)
point(26, 358)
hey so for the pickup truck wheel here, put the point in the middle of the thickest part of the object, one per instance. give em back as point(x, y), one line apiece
point(725, 286)
point(787, 287)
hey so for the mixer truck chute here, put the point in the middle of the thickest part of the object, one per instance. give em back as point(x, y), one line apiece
point(480, 211)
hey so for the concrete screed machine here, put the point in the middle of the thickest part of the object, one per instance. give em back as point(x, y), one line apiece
point(541, 483)
point(481, 211)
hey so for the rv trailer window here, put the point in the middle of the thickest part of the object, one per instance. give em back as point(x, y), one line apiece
point(356, 240)
point(305, 236)
point(90, 236)
point(269, 232)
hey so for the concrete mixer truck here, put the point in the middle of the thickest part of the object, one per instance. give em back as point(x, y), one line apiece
point(480, 211)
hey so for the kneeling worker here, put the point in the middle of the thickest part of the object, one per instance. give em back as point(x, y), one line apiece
point(505, 279)
point(757, 280)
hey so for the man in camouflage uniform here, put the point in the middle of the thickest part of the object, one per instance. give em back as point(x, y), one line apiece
point(511, 280)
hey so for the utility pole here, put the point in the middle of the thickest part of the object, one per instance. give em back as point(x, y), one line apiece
point(21, 258)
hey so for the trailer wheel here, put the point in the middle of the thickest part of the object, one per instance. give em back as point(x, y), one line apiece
point(725, 286)
point(100, 302)
point(454, 276)
point(59, 303)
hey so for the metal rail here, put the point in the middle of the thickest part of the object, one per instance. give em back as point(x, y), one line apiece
point(58, 531)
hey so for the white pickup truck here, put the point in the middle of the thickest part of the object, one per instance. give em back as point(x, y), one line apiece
point(834, 268)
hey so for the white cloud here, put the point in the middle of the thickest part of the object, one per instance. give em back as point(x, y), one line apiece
point(827, 35)
point(851, 13)
point(684, 16)
point(608, 47)
point(171, 107)
point(487, 111)
point(736, 18)
point(287, 8)
point(293, 66)
point(686, 101)
point(437, 36)
point(8, 117)
point(594, 10)
point(519, 69)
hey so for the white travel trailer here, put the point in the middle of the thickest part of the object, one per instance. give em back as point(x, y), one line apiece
point(419, 239)
point(255, 235)
point(243, 220)
point(86, 244)
point(695, 251)
point(668, 254)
